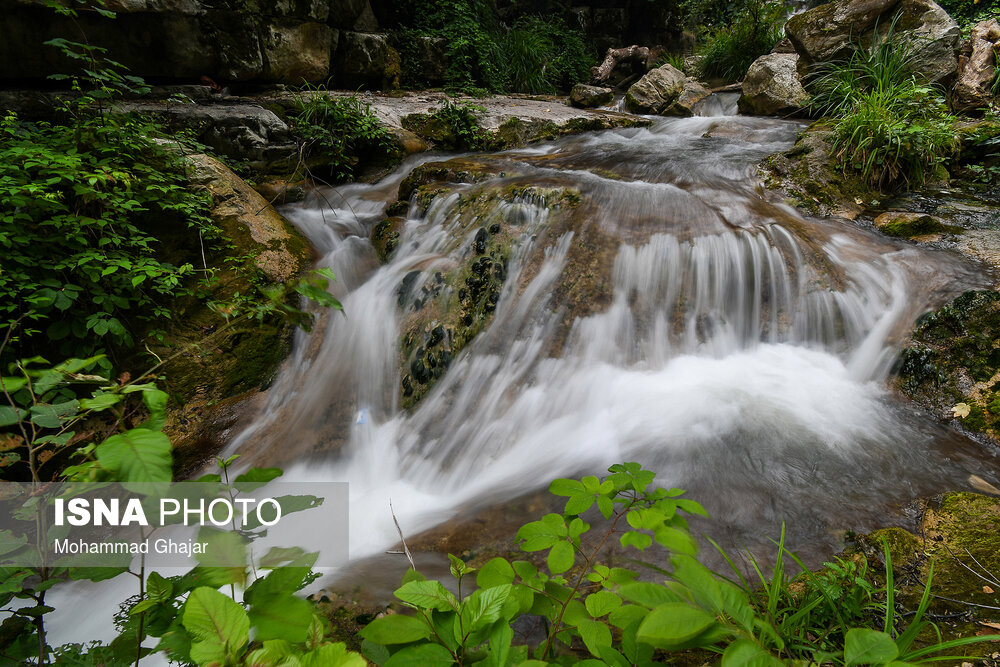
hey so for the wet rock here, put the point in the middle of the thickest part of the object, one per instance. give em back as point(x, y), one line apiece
point(828, 32)
point(587, 97)
point(954, 358)
point(772, 87)
point(806, 175)
point(385, 237)
point(906, 225)
point(658, 92)
point(482, 238)
point(977, 69)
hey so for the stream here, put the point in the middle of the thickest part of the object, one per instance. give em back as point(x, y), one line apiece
point(737, 348)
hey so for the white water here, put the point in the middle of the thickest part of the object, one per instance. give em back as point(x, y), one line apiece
point(742, 354)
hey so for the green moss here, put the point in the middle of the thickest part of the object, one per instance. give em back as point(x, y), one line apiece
point(904, 547)
point(385, 237)
point(954, 355)
point(909, 226)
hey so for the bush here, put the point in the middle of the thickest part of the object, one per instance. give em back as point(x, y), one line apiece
point(81, 204)
point(596, 614)
point(731, 49)
point(890, 127)
point(970, 12)
point(338, 131)
point(537, 54)
point(542, 56)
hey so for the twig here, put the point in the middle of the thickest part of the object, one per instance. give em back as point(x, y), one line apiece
point(402, 539)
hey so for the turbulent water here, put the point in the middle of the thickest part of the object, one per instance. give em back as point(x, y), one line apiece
point(742, 353)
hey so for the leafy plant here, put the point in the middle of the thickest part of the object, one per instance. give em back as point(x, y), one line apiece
point(890, 127)
point(732, 48)
point(338, 132)
point(597, 614)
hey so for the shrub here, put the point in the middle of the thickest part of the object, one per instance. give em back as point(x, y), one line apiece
point(541, 55)
point(338, 131)
point(595, 614)
point(731, 49)
point(537, 54)
point(890, 127)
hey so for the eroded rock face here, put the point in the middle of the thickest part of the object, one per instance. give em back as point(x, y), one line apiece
point(665, 91)
point(243, 132)
point(772, 86)
point(297, 52)
point(588, 97)
point(977, 68)
point(366, 60)
point(285, 41)
point(828, 32)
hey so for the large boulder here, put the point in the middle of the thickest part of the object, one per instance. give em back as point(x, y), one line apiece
point(366, 60)
point(830, 31)
point(772, 86)
point(294, 53)
point(665, 91)
point(977, 68)
point(826, 32)
point(588, 97)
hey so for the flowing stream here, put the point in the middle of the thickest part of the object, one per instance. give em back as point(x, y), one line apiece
point(738, 349)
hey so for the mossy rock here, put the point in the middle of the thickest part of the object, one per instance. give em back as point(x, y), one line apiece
point(456, 170)
point(448, 309)
point(906, 225)
point(807, 175)
point(385, 237)
point(258, 248)
point(954, 358)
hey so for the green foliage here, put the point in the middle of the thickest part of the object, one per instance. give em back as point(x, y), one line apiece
point(601, 615)
point(339, 132)
point(76, 229)
point(753, 31)
point(81, 201)
point(536, 54)
point(540, 55)
point(890, 127)
point(970, 12)
point(463, 131)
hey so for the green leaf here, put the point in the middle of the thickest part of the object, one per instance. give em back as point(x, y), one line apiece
point(565, 487)
point(747, 653)
point(483, 607)
point(138, 455)
point(561, 557)
point(675, 540)
point(863, 646)
point(672, 624)
point(332, 655)
point(495, 573)
point(595, 635)
point(284, 617)
point(427, 595)
point(421, 655)
point(396, 629)
point(602, 602)
point(218, 624)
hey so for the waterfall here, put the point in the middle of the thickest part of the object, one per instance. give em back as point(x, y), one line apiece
point(666, 311)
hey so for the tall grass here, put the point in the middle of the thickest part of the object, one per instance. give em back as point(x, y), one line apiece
point(731, 49)
point(891, 126)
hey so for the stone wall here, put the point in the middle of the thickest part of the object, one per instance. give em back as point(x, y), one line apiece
point(286, 41)
point(339, 42)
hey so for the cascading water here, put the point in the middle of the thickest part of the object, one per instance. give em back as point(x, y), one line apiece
point(675, 316)
point(741, 352)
